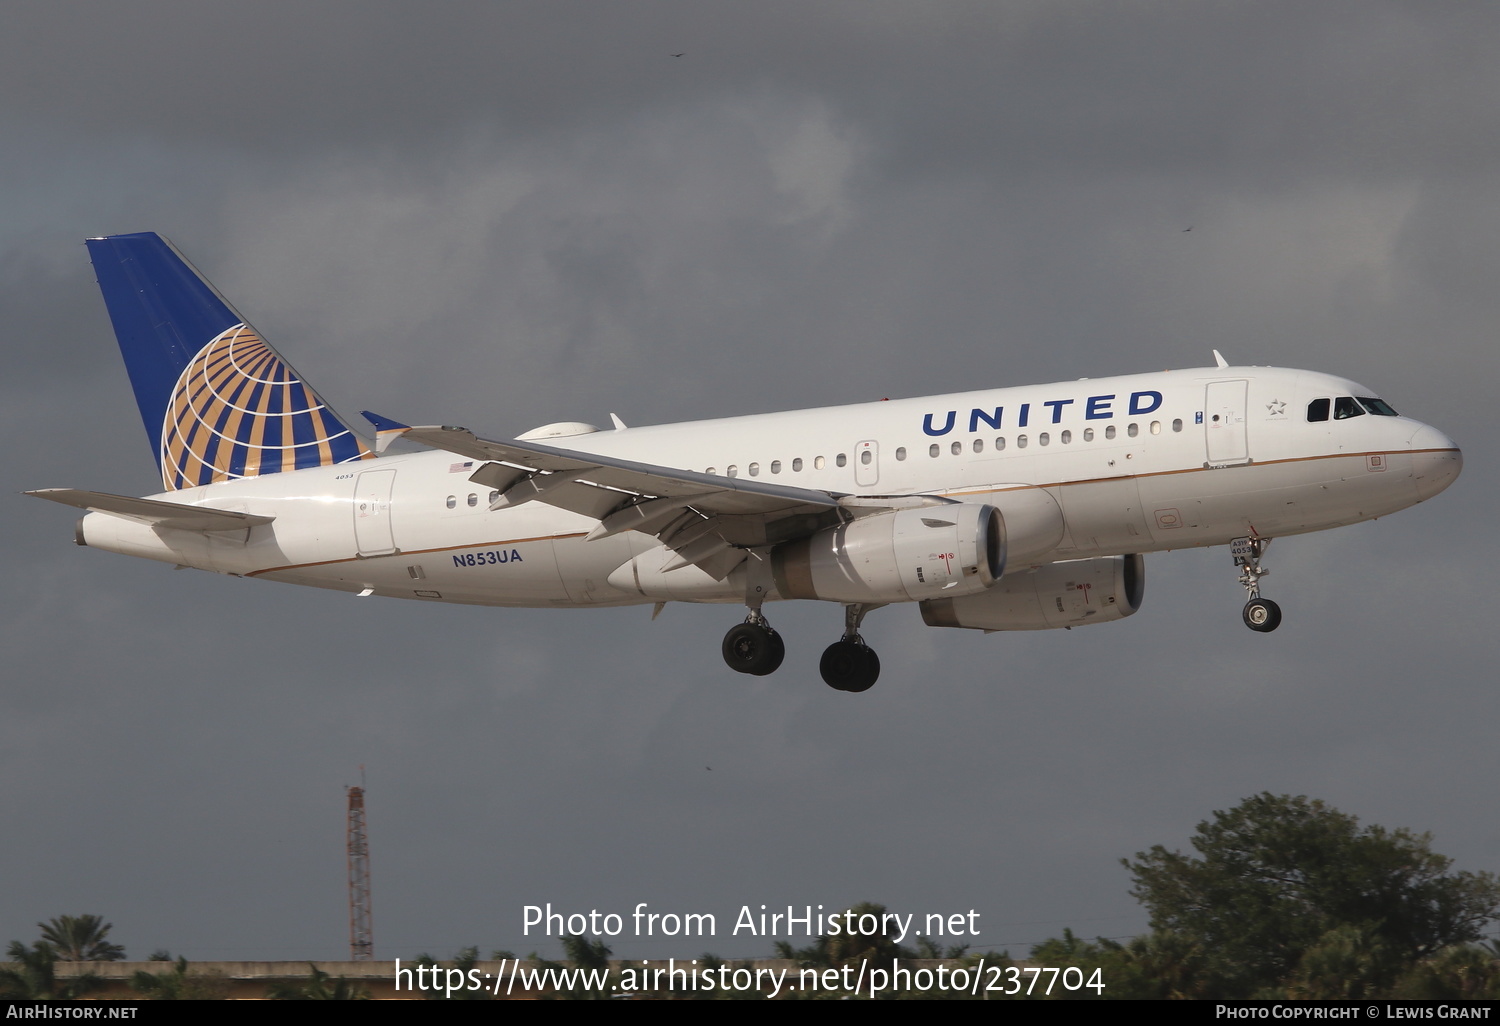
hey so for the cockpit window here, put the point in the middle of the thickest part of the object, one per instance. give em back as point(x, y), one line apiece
point(1318, 409)
point(1345, 407)
point(1379, 407)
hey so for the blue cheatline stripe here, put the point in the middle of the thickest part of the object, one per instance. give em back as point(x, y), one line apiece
point(192, 361)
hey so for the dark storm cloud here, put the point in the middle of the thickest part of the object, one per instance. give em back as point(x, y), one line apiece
point(506, 214)
point(1277, 89)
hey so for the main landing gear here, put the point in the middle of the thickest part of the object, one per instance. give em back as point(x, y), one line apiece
point(847, 665)
point(1261, 614)
point(753, 647)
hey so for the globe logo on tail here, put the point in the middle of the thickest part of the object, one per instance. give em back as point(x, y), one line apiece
point(239, 410)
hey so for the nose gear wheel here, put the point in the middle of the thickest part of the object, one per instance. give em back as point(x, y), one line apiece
point(1261, 614)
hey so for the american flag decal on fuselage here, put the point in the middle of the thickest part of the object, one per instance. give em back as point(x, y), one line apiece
point(239, 410)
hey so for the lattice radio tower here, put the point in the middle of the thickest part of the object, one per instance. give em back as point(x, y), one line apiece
point(361, 938)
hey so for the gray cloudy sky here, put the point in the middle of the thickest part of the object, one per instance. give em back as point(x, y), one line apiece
point(504, 214)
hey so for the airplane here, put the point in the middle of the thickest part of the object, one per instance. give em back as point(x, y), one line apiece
point(1019, 508)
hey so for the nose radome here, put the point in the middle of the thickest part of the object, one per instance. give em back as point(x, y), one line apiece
point(1436, 461)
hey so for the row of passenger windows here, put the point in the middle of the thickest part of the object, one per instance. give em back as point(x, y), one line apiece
point(977, 445)
point(473, 499)
point(956, 448)
point(1346, 406)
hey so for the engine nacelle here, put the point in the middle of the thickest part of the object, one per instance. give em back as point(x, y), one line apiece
point(1066, 594)
point(902, 556)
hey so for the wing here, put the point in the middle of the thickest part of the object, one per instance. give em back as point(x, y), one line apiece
point(705, 520)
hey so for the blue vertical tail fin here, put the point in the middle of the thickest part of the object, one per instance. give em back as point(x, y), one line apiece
point(218, 402)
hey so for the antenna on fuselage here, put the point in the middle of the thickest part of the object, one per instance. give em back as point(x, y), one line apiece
point(1219, 359)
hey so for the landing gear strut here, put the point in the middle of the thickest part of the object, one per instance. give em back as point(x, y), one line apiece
point(849, 664)
point(1261, 614)
point(753, 647)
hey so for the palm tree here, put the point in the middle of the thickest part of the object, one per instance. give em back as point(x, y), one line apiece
point(32, 978)
point(464, 962)
point(179, 984)
point(319, 987)
point(80, 939)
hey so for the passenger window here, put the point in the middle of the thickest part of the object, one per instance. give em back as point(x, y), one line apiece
point(710, 470)
point(841, 460)
point(1133, 430)
point(957, 447)
point(775, 466)
point(932, 450)
point(1345, 407)
point(1177, 424)
point(733, 471)
point(901, 454)
point(1317, 410)
point(1088, 434)
point(1020, 441)
point(865, 457)
point(473, 499)
point(1000, 444)
point(797, 465)
point(1109, 432)
point(1156, 427)
point(453, 502)
point(494, 495)
point(978, 445)
point(818, 463)
point(1043, 438)
point(1067, 436)
point(755, 470)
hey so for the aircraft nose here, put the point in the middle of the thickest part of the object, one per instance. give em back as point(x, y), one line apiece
point(1436, 461)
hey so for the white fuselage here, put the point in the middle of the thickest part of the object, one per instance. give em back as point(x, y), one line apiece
point(1125, 465)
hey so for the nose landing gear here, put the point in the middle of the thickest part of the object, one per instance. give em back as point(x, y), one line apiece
point(1261, 614)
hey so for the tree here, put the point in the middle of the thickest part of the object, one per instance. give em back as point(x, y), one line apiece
point(180, 985)
point(1278, 877)
point(464, 962)
point(1154, 966)
point(319, 987)
point(834, 950)
point(80, 939)
point(1468, 972)
point(32, 977)
point(592, 956)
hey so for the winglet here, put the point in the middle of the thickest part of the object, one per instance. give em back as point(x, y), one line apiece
point(386, 430)
point(1219, 359)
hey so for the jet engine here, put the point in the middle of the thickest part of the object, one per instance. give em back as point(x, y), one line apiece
point(901, 556)
point(1064, 594)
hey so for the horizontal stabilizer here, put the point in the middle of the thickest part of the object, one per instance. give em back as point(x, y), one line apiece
point(154, 511)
